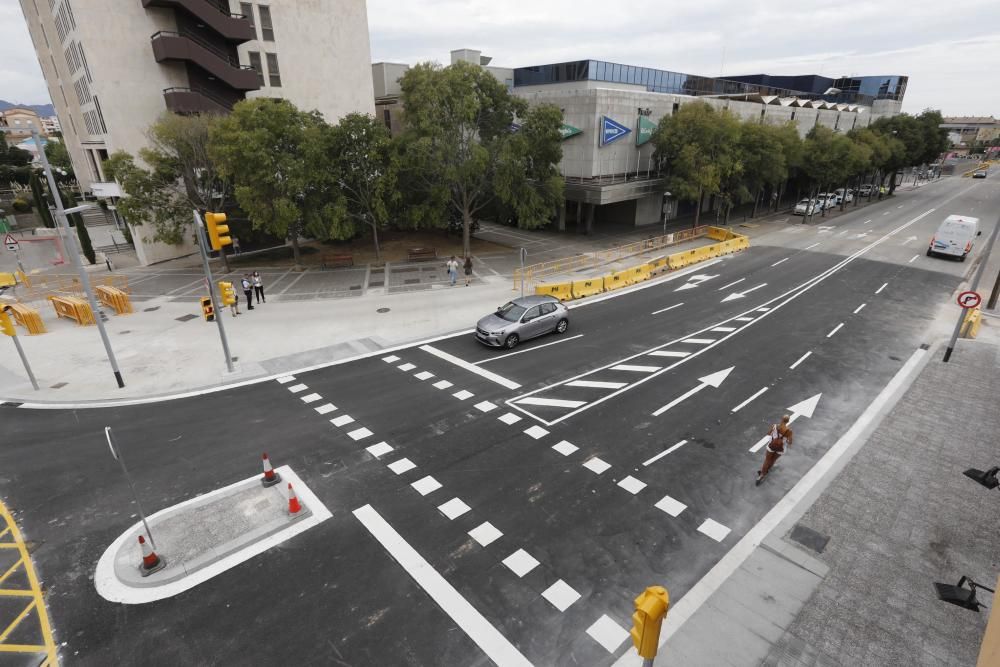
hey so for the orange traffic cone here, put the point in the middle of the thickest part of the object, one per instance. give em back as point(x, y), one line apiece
point(150, 561)
point(270, 477)
point(293, 502)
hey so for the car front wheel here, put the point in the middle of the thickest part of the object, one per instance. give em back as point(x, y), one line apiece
point(562, 326)
point(512, 341)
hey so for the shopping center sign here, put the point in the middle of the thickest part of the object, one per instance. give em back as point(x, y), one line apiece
point(612, 131)
point(645, 130)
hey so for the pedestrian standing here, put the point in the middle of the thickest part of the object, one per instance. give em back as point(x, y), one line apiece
point(468, 271)
point(779, 437)
point(248, 290)
point(258, 287)
point(452, 266)
point(234, 307)
point(236, 246)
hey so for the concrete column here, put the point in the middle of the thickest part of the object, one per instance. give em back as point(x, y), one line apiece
point(561, 216)
point(579, 216)
point(591, 208)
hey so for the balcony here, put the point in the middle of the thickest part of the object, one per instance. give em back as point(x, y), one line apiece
point(232, 27)
point(188, 101)
point(169, 46)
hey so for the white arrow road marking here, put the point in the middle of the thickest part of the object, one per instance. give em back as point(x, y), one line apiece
point(686, 286)
point(694, 281)
point(740, 295)
point(801, 409)
point(713, 380)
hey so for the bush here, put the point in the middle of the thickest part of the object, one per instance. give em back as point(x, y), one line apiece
point(21, 205)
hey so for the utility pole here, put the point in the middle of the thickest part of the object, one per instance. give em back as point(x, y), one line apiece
point(203, 245)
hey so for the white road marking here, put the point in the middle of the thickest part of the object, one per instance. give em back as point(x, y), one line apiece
point(664, 453)
point(632, 485)
point(636, 369)
point(359, 434)
point(552, 402)
point(670, 506)
point(406, 367)
point(879, 290)
point(763, 309)
point(740, 295)
point(379, 450)
point(780, 261)
point(286, 379)
point(472, 368)
point(699, 341)
point(342, 420)
point(485, 533)
point(735, 282)
point(749, 400)
point(426, 485)
point(596, 465)
point(663, 310)
point(311, 398)
point(913, 259)
point(712, 380)
point(608, 634)
point(801, 359)
point(463, 395)
point(723, 329)
point(536, 432)
point(509, 418)
point(810, 247)
point(325, 409)
point(596, 384)
point(401, 466)
point(760, 444)
point(454, 508)
point(835, 330)
point(743, 319)
point(668, 353)
point(424, 375)
point(391, 359)
point(530, 349)
point(561, 595)
point(886, 213)
point(465, 616)
point(900, 206)
point(565, 448)
point(867, 221)
point(485, 406)
point(297, 388)
point(443, 384)
point(859, 308)
point(713, 529)
point(520, 562)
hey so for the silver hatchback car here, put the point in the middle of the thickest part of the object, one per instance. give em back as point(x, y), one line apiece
point(522, 318)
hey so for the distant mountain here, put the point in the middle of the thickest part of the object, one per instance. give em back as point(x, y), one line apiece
point(41, 109)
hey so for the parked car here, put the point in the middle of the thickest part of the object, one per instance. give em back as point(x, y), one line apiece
point(806, 207)
point(866, 190)
point(980, 173)
point(846, 196)
point(522, 318)
point(954, 237)
point(827, 200)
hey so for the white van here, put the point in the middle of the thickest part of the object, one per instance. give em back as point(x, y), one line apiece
point(954, 237)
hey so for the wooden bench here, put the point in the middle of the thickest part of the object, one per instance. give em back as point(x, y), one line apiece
point(27, 317)
point(331, 261)
point(73, 308)
point(420, 254)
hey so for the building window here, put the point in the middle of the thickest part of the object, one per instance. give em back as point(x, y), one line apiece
point(83, 61)
point(246, 9)
point(677, 107)
point(273, 74)
point(387, 118)
point(100, 116)
point(256, 64)
point(266, 29)
point(69, 8)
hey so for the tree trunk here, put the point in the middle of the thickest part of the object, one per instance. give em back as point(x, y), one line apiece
point(466, 233)
point(729, 207)
point(378, 250)
point(697, 209)
point(756, 203)
point(843, 200)
point(296, 252)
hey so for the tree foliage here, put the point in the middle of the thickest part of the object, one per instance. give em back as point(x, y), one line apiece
point(58, 156)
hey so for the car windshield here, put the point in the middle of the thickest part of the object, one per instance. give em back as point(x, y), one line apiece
point(510, 311)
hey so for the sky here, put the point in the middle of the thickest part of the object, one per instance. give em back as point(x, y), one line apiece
point(950, 52)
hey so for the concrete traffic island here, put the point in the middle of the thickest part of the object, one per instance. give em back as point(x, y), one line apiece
point(205, 536)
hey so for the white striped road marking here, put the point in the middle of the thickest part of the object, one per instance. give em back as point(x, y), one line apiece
point(391, 359)
point(663, 310)
point(530, 349)
point(801, 359)
point(760, 444)
point(359, 434)
point(670, 506)
point(485, 533)
point(913, 259)
point(763, 309)
point(596, 465)
point(835, 330)
point(749, 400)
point(735, 282)
point(561, 595)
point(596, 384)
point(325, 409)
point(632, 485)
point(866, 221)
point(536, 432)
point(509, 418)
point(297, 388)
point(465, 616)
point(900, 206)
point(406, 367)
point(608, 634)
point(485, 406)
point(379, 450)
point(886, 213)
point(424, 375)
point(472, 368)
point(342, 420)
point(699, 341)
point(743, 319)
point(668, 353)
point(454, 508)
point(401, 466)
point(713, 529)
point(565, 448)
point(463, 395)
point(520, 562)
point(443, 384)
point(286, 379)
point(664, 453)
point(780, 261)
point(810, 247)
point(552, 402)
point(630, 367)
point(884, 285)
point(858, 309)
point(426, 485)
point(723, 329)
point(311, 398)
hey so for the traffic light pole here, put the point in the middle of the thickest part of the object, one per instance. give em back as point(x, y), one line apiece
point(20, 350)
point(200, 226)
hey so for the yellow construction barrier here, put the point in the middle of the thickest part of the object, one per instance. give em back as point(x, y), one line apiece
point(582, 288)
point(7, 280)
point(28, 318)
point(970, 325)
point(658, 266)
point(113, 297)
point(616, 280)
point(73, 308)
point(640, 273)
point(562, 291)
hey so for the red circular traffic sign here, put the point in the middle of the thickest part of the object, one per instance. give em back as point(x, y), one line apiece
point(969, 300)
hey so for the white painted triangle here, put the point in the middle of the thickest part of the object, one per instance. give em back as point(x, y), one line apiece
point(806, 407)
point(716, 379)
point(733, 297)
point(686, 286)
point(702, 277)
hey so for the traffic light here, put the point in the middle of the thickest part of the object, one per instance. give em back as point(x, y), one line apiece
point(650, 610)
point(6, 324)
point(227, 292)
point(218, 233)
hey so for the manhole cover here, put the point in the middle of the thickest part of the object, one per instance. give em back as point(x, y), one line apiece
point(894, 357)
point(149, 310)
point(58, 385)
point(809, 538)
point(382, 310)
point(185, 318)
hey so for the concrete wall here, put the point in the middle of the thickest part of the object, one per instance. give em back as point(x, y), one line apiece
point(385, 78)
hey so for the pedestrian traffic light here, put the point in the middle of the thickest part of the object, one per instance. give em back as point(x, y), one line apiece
point(650, 610)
point(218, 233)
point(227, 292)
point(207, 311)
point(6, 324)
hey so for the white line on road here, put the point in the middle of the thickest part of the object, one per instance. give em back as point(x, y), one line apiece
point(461, 611)
point(835, 330)
point(635, 369)
point(913, 259)
point(472, 368)
point(801, 359)
point(723, 329)
point(867, 221)
point(530, 349)
point(743, 319)
point(780, 261)
point(859, 308)
point(699, 341)
point(735, 282)
point(886, 213)
point(552, 402)
point(749, 400)
point(664, 453)
point(668, 353)
point(663, 310)
point(879, 290)
point(810, 247)
point(596, 384)
point(900, 206)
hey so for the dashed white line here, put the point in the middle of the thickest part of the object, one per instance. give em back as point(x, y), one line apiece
point(632, 485)
point(859, 308)
point(801, 359)
point(913, 259)
point(401, 466)
point(670, 506)
point(596, 465)
point(443, 384)
point(509, 418)
point(630, 367)
point(668, 353)
point(485, 406)
point(485, 533)
point(286, 379)
point(713, 529)
point(311, 398)
point(536, 432)
point(379, 450)
point(780, 261)
point(561, 595)
point(342, 420)
point(886, 213)
point(551, 402)
point(520, 562)
point(608, 634)
point(810, 247)
point(879, 290)
point(297, 388)
point(454, 508)
point(391, 359)
point(663, 310)
point(406, 367)
point(325, 409)
point(565, 448)
point(735, 282)
point(664, 453)
point(426, 485)
point(596, 384)
point(359, 434)
point(835, 330)
point(749, 400)
point(867, 221)
point(463, 395)
point(424, 375)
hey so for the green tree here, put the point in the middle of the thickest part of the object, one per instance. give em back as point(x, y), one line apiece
point(935, 137)
point(152, 197)
point(459, 147)
point(828, 159)
point(58, 156)
point(41, 201)
point(698, 146)
point(762, 152)
point(268, 148)
point(12, 156)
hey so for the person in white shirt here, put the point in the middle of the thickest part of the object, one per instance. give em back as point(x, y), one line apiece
point(258, 286)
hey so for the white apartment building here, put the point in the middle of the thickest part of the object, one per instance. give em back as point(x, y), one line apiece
point(114, 66)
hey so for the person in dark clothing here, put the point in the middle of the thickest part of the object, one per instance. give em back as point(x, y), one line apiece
point(468, 271)
point(248, 290)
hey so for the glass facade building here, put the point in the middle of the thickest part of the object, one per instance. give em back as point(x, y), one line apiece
point(853, 90)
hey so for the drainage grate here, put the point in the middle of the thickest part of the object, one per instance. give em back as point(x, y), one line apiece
point(122, 333)
point(149, 310)
point(809, 538)
point(185, 318)
point(382, 310)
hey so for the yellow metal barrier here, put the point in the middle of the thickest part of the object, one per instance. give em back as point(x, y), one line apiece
point(582, 288)
point(971, 323)
point(562, 291)
point(114, 298)
point(73, 308)
point(28, 318)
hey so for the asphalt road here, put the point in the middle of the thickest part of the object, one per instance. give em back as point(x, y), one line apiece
point(847, 301)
